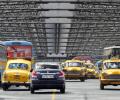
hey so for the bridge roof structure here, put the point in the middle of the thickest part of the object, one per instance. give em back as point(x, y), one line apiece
point(62, 28)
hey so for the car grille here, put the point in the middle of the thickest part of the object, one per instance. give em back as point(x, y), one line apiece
point(114, 77)
point(90, 73)
point(73, 72)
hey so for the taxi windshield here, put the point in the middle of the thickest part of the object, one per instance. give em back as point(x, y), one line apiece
point(112, 65)
point(18, 66)
point(74, 64)
point(90, 66)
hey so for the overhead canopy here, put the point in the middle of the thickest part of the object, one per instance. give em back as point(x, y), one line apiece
point(62, 28)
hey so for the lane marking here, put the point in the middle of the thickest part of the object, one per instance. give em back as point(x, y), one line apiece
point(53, 95)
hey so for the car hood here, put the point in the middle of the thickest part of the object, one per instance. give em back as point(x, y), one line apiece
point(73, 68)
point(90, 70)
point(112, 71)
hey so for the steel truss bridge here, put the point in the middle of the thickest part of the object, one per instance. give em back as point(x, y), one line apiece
point(62, 28)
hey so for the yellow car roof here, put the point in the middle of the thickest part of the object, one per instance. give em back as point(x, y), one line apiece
point(112, 60)
point(89, 64)
point(73, 61)
point(18, 60)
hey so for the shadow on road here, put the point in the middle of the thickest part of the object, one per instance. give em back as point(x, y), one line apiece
point(38, 92)
point(112, 89)
point(73, 81)
point(18, 90)
point(47, 92)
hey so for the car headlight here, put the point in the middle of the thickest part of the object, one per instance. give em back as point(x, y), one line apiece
point(5, 76)
point(104, 75)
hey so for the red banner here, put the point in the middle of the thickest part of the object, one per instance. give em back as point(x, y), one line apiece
point(19, 52)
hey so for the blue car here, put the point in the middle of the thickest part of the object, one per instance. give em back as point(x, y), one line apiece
point(47, 76)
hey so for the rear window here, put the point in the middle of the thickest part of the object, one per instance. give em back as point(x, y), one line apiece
point(18, 66)
point(48, 67)
point(89, 66)
point(74, 64)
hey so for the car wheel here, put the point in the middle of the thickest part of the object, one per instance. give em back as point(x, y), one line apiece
point(32, 90)
point(62, 90)
point(86, 77)
point(5, 88)
point(28, 87)
point(101, 86)
point(82, 79)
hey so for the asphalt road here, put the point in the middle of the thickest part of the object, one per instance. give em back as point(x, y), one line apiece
point(75, 90)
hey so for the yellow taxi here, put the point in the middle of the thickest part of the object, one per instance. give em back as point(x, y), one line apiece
point(17, 72)
point(74, 69)
point(110, 74)
point(91, 70)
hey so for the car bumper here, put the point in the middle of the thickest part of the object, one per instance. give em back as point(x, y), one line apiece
point(91, 76)
point(73, 76)
point(47, 84)
point(16, 83)
point(110, 81)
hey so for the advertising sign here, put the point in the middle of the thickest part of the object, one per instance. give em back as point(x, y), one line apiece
point(19, 52)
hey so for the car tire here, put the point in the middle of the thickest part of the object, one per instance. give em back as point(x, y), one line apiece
point(32, 91)
point(62, 90)
point(82, 79)
point(5, 88)
point(28, 87)
point(86, 77)
point(101, 86)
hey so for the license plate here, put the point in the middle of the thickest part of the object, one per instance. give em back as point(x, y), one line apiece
point(47, 76)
